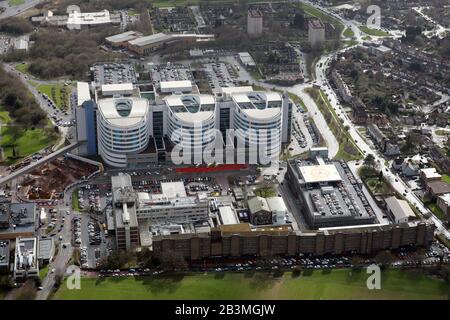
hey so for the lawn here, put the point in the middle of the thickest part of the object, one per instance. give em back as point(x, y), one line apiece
point(373, 32)
point(348, 33)
point(75, 204)
point(266, 192)
point(22, 67)
point(43, 272)
point(29, 142)
point(56, 92)
point(335, 284)
point(436, 210)
point(172, 3)
point(347, 148)
point(14, 3)
point(322, 15)
point(446, 178)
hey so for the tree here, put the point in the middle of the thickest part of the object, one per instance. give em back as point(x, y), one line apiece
point(27, 291)
point(173, 261)
point(369, 160)
point(299, 20)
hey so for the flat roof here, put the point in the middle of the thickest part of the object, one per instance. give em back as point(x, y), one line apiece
point(4, 252)
point(180, 84)
point(46, 248)
point(276, 204)
point(83, 92)
point(124, 36)
point(230, 90)
point(399, 208)
point(154, 38)
point(227, 215)
point(138, 111)
point(117, 87)
point(320, 173)
point(430, 173)
point(84, 18)
point(173, 189)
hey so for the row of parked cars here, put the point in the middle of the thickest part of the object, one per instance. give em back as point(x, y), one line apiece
point(76, 228)
point(94, 233)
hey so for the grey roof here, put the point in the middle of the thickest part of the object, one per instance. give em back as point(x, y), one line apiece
point(399, 208)
point(21, 217)
point(4, 253)
point(46, 249)
point(258, 204)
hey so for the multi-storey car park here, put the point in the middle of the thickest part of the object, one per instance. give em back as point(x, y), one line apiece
point(329, 193)
point(130, 124)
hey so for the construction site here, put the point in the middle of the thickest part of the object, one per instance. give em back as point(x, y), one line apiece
point(49, 180)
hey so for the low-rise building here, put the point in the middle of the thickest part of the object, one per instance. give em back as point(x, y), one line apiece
point(121, 39)
point(399, 210)
point(437, 188)
point(4, 256)
point(429, 174)
point(25, 258)
point(46, 250)
point(443, 202)
point(18, 220)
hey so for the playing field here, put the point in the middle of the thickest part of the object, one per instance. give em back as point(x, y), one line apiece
point(336, 284)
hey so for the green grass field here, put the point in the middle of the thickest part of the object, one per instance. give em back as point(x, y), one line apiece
point(373, 32)
point(322, 15)
point(29, 141)
point(436, 210)
point(336, 284)
point(14, 3)
point(446, 178)
point(22, 67)
point(348, 33)
point(47, 89)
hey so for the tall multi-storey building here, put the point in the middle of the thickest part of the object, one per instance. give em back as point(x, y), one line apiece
point(124, 206)
point(316, 33)
point(254, 23)
point(123, 128)
point(130, 127)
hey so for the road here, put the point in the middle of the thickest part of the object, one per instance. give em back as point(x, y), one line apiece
point(61, 260)
point(321, 79)
point(11, 11)
point(393, 178)
point(439, 31)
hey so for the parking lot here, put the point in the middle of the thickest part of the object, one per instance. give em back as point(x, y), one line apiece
point(170, 72)
point(220, 75)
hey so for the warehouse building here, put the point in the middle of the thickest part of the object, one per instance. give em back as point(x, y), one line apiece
point(148, 44)
point(121, 39)
point(399, 210)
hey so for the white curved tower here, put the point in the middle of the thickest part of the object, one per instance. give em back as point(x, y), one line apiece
point(123, 128)
point(257, 120)
point(191, 115)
